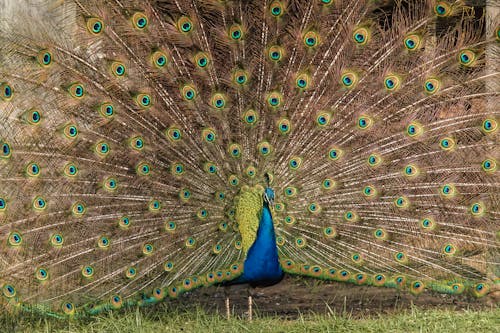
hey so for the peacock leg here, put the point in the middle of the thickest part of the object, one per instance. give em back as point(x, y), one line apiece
point(250, 303)
point(226, 295)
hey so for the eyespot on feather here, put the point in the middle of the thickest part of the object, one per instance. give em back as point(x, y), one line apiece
point(95, 26)
point(276, 9)
point(140, 21)
point(311, 39)
point(44, 58)
point(184, 24)
point(275, 53)
point(361, 36)
point(413, 42)
point(442, 9)
point(159, 59)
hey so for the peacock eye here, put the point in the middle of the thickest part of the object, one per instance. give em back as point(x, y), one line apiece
point(467, 58)
point(276, 9)
point(275, 53)
point(250, 118)
point(349, 79)
point(361, 36)
point(442, 9)
point(139, 21)
point(236, 32)
point(185, 25)
point(76, 90)
point(44, 58)
point(95, 26)
point(188, 92)
point(311, 39)
point(218, 101)
point(432, 86)
point(274, 99)
point(143, 100)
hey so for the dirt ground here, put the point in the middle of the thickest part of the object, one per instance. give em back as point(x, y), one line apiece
point(294, 296)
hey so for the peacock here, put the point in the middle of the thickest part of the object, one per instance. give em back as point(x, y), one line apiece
point(148, 148)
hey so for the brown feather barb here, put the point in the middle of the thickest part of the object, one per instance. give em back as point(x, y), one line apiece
point(131, 131)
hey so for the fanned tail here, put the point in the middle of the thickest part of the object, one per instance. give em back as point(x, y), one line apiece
point(136, 138)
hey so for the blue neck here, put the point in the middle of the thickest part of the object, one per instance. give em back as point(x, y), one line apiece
point(262, 265)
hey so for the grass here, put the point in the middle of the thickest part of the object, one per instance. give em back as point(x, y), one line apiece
point(164, 319)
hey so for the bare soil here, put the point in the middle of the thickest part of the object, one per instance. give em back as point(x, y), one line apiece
point(295, 296)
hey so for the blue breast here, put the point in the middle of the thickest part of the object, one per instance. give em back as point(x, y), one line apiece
point(262, 265)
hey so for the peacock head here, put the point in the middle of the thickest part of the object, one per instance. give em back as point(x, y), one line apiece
point(269, 197)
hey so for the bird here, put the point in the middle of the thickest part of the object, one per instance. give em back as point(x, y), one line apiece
point(149, 148)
